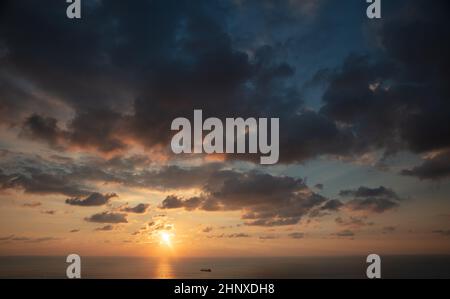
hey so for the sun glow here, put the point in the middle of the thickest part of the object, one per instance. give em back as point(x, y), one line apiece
point(166, 239)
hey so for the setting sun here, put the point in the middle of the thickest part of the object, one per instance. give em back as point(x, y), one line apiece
point(166, 239)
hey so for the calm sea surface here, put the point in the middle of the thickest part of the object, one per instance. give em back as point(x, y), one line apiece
point(222, 268)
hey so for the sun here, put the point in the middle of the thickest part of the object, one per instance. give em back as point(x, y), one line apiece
point(166, 239)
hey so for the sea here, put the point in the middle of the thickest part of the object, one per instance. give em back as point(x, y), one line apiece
point(354, 267)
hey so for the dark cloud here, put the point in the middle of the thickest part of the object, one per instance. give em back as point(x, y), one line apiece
point(49, 212)
point(42, 240)
point(14, 238)
point(96, 128)
point(175, 177)
point(207, 229)
point(41, 128)
point(231, 236)
point(74, 231)
point(375, 205)
point(34, 174)
point(389, 229)
point(362, 192)
point(434, 168)
point(174, 202)
point(268, 237)
point(93, 129)
point(94, 199)
point(392, 98)
point(6, 238)
point(238, 235)
point(332, 205)
point(264, 200)
point(374, 200)
point(297, 235)
point(191, 49)
point(345, 233)
point(139, 209)
point(398, 99)
point(72, 177)
point(108, 217)
point(105, 228)
point(161, 226)
point(353, 222)
point(37, 181)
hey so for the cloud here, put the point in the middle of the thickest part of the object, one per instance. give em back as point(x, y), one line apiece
point(390, 99)
point(345, 233)
point(6, 238)
point(374, 200)
point(332, 205)
point(94, 199)
point(375, 205)
point(34, 204)
point(353, 222)
point(41, 128)
point(42, 240)
point(389, 229)
point(96, 128)
point(105, 228)
point(35, 175)
point(264, 200)
point(74, 231)
point(436, 167)
point(231, 236)
point(162, 226)
point(297, 235)
point(139, 209)
point(174, 202)
point(14, 238)
point(207, 229)
point(36, 181)
point(268, 237)
point(49, 212)
point(240, 84)
point(175, 177)
point(108, 217)
point(370, 192)
point(397, 100)
point(238, 235)
point(74, 177)
point(91, 129)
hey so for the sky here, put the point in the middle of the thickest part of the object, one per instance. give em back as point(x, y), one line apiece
point(86, 108)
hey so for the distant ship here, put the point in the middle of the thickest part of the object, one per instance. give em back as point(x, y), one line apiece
point(205, 270)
